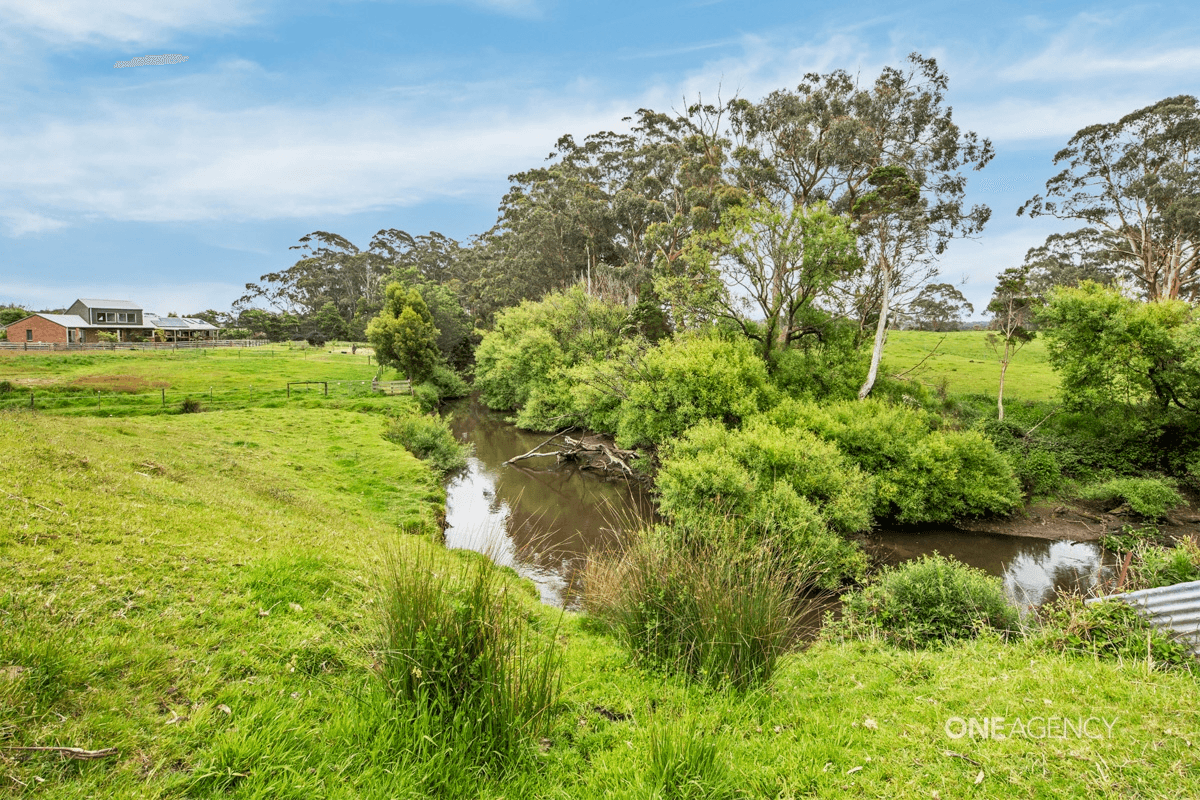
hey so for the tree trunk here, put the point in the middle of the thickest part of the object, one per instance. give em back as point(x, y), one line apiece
point(1003, 369)
point(880, 331)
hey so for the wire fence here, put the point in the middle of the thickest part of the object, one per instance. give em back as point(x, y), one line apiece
point(81, 401)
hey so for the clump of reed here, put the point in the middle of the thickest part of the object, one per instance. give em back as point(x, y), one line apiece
point(721, 609)
point(463, 661)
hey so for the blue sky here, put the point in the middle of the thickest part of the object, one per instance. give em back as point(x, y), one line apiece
point(174, 185)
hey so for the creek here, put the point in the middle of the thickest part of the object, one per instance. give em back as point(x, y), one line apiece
point(543, 518)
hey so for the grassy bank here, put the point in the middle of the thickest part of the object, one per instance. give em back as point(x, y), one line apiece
point(197, 597)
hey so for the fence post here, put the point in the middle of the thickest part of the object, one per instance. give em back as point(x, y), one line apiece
point(164, 397)
point(31, 401)
point(97, 401)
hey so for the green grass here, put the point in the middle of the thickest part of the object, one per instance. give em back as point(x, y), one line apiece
point(967, 365)
point(203, 592)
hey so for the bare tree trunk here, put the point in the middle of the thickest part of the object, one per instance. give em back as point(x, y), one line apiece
point(1003, 369)
point(880, 331)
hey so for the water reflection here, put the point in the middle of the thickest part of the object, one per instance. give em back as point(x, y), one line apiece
point(538, 517)
point(1033, 570)
point(543, 519)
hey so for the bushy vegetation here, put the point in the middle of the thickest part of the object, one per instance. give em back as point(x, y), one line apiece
point(1150, 498)
point(928, 601)
point(1154, 566)
point(788, 490)
point(922, 473)
point(429, 438)
point(721, 612)
point(687, 380)
point(1109, 629)
point(523, 363)
point(462, 662)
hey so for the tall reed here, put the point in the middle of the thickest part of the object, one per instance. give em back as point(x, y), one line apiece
point(462, 661)
point(721, 610)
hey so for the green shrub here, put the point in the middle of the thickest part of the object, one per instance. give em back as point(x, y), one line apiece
point(448, 382)
point(785, 488)
point(1108, 629)
point(532, 347)
point(1129, 538)
point(688, 380)
point(1155, 566)
point(922, 474)
point(720, 612)
point(930, 600)
point(460, 660)
point(190, 405)
point(429, 438)
point(1150, 498)
point(1038, 471)
point(427, 396)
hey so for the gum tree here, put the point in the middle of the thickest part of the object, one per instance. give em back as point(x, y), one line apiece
point(1136, 183)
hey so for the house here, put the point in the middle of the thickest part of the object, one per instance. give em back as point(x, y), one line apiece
point(87, 318)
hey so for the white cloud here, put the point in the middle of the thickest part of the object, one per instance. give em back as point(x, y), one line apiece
point(130, 21)
point(19, 222)
point(193, 162)
point(1027, 119)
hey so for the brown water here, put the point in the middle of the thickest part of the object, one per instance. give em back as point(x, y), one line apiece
point(542, 519)
point(538, 517)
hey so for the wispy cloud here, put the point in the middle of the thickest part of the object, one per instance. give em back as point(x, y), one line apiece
point(1094, 45)
point(194, 162)
point(20, 222)
point(129, 21)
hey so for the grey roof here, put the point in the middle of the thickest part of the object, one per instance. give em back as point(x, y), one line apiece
point(176, 323)
point(66, 320)
point(126, 304)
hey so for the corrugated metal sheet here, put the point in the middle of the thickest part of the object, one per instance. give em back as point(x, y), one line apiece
point(1174, 608)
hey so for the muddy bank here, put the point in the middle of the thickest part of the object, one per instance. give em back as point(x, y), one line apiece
point(1080, 521)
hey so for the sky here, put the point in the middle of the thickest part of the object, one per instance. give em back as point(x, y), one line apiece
point(174, 185)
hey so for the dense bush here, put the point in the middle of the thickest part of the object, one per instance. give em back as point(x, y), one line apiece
point(689, 379)
point(1110, 629)
point(429, 438)
point(932, 599)
point(522, 364)
point(922, 474)
point(1151, 498)
point(788, 488)
point(462, 662)
point(721, 611)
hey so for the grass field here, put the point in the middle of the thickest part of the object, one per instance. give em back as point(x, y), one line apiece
point(200, 593)
point(967, 365)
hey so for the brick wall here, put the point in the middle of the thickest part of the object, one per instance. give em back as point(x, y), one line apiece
point(43, 331)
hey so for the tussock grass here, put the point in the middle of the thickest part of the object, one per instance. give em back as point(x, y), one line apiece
point(463, 662)
point(722, 612)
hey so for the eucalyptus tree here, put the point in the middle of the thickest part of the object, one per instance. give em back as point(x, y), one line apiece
point(939, 307)
point(1013, 305)
point(1136, 182)
point(1069, 259)
point(889, 155)
point(771, 264)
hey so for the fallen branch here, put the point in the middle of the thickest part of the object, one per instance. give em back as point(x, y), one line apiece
point(69, 752)
point(533, 452)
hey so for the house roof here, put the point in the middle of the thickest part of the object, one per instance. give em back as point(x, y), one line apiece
point(66, 320)
point(93, 303)
point(176, 323)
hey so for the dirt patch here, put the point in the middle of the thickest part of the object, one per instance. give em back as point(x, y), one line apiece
point(1081, 521)
point(130, 384)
